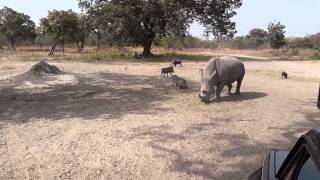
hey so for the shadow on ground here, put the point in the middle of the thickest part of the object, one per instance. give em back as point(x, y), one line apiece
point(161, 138)
point(296, 129)
point(93, 95)
point(242, 157)
point(245, 96)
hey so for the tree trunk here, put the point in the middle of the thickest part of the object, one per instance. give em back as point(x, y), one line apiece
point(147, 47)
point(62, 46)
point(98, 44)
point(319, 98)
point(53, 48)
point(78, 44)
point(99, 36)
point(81, 46)
point(13, 46)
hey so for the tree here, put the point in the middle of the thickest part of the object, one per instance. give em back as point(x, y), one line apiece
point(140, 22)
point(83, 30)
point(42, 39)
point(61, 25)
point(216, 16)
point(276, 35)
point(258, 36)
point(299, 42)
point(99, 19)
point(16, 26)
point(315, 40)
point(2, 41)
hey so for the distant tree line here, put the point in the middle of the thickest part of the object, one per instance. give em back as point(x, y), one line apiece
point(122, 23)
point(143, 23)
point(273, 37)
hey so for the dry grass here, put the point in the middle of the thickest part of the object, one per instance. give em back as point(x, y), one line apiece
point(119, 120)
point(127, 53)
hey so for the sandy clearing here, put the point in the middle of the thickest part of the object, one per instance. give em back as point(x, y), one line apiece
point(121, 121)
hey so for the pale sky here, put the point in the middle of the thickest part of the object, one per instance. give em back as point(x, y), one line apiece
point(300, 16)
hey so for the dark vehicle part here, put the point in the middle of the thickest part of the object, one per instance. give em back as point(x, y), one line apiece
point(301, 163)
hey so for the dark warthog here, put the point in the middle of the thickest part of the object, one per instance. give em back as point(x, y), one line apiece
point(220, 71)
point(167, 71)
point(179, 82)
point(175, 62)
point(284, 75)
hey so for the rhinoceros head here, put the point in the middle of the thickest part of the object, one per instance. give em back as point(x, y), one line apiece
point(207, 85)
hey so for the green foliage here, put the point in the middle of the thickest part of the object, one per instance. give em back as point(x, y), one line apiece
point(315, 40)
point(171, 42)
point(246, 42)
point(61, 25)
point(299, 42)
point(2, 41)
point(276, 35)
point(83, 30)
point(16, 26)
point(185, 42)
point(315, 56)
point(257, 37)
point(239, 43)
point(285, 52)
point(42, 39)
point(140, 22)
point(216, 16)
point(109, 56)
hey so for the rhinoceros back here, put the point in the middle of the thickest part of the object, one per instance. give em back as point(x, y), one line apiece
point(229, 69)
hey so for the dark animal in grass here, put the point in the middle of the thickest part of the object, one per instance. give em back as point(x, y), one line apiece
point(167, 71)
point(284, 75)
point(179, 82)
point(175, 62)
point(219, 72)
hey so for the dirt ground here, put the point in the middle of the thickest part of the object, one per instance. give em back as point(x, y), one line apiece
point(119, 120)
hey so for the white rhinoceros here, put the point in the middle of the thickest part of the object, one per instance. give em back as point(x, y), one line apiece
point(220, 71)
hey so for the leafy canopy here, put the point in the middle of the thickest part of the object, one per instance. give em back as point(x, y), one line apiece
point(140, 22)
point(276, 35)
point(16, 26)
point(61, 25)
point(258, 36)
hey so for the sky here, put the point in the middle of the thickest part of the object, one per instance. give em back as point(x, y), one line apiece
point(301, 17)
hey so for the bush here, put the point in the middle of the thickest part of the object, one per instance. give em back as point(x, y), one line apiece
point(109, 56)
point(185, 42)
point(315, 40)
point(300, 43)
point(315, 56)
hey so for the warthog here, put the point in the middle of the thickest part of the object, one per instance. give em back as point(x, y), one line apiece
point(176, 61)
point(284, 75)
point(179, 82)
point(220, 71)
point(167, 71)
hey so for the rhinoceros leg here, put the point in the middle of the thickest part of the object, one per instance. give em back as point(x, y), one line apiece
point(239, 85)
point(219, 89)
point(229, 88)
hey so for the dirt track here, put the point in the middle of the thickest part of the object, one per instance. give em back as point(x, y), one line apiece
point(100, 121)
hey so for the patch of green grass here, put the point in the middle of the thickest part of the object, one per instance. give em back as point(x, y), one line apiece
point(315, 56)
point(169, 56)
point(108, 56)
